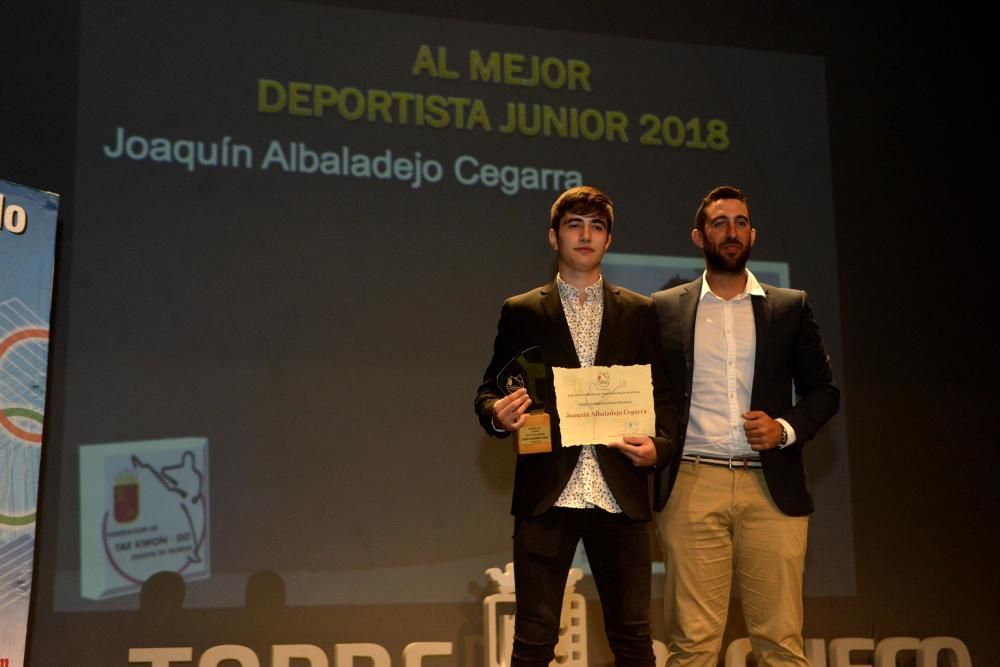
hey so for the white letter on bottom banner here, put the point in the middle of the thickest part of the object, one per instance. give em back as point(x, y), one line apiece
point(344, 654)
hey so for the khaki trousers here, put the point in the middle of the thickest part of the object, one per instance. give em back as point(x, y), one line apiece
point(721, 526)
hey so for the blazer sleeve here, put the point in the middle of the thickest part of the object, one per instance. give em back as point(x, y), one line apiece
point(504, 349)
point(812, 372)
point(667, 419)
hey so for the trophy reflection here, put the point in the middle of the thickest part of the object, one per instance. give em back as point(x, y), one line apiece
point(529, 371)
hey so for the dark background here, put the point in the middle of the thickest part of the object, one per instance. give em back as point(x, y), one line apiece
point(908, 93)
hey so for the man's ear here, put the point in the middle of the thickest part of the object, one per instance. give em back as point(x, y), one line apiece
point(553, 239)
point(753, 236)
point(698, 238)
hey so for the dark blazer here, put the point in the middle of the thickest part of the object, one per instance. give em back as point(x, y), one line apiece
point(628, 336)
point(789, 350)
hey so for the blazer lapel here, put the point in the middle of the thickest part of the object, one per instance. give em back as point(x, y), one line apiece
point(552, 306)
point(688, 314)
point(762, 311)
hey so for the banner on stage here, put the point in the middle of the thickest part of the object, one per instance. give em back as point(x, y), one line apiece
point(27, 254)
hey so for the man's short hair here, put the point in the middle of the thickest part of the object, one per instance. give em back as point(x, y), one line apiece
point(582, 200)
point(715, 194)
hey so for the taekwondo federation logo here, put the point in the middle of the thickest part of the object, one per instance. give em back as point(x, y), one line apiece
point(151, 514)
point(174, 534)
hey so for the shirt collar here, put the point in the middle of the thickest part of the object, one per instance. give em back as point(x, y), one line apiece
point(752, 287)
point(567, 291)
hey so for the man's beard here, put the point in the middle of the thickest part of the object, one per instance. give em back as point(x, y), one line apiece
point(719, 262)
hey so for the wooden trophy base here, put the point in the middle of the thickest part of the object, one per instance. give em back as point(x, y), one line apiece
point(535, 437)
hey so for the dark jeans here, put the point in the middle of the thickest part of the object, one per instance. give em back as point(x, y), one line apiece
point(618, 550)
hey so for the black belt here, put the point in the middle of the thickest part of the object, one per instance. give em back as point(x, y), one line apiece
point(732, 462)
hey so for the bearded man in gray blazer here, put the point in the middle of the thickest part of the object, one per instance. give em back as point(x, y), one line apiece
point(733, 504)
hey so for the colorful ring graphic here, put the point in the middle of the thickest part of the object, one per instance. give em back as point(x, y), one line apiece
point(6, 519)
point(5, 414)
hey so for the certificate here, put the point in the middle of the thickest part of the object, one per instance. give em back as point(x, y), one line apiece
point(602, 404)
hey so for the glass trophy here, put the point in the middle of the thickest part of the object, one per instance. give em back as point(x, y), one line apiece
point(528, 370)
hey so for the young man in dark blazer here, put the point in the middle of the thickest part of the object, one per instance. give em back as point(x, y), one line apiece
point(733, 504)
point(598, 494)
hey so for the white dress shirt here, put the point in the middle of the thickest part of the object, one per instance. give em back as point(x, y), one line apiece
point(725, 346)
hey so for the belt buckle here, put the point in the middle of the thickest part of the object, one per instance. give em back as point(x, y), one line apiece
point(744, 463)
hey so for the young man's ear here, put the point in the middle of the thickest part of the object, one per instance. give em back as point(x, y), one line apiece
point(698, 238)
point(553, 240)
